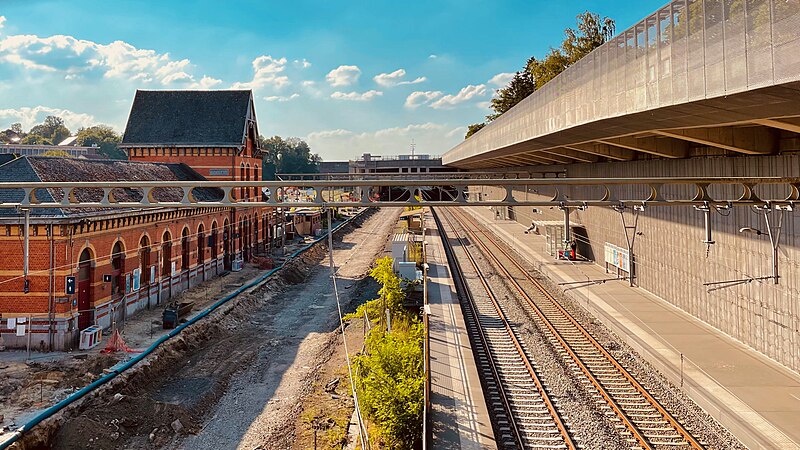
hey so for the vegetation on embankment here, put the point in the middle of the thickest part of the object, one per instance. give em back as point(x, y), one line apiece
point(389, 374)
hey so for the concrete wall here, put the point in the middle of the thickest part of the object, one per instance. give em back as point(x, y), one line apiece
point(673, 263)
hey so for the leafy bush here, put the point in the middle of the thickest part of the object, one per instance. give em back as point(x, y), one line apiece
point(389, 374)
point(390, 383)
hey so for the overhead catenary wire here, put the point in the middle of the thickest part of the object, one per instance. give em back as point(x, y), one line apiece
point(361, 426)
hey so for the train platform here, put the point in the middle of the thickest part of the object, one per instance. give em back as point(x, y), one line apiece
point(459, 418)
point(754, 397)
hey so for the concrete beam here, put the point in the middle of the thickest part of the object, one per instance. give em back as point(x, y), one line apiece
point(664, 147)
point(782, 124)
point(749, 140)
point(528, 159)
point(554, 158)
point(573, 154)
point(605, 150)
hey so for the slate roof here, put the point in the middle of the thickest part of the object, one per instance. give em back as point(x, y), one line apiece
point(54, 169)
point(189, 118)
point(6, 157)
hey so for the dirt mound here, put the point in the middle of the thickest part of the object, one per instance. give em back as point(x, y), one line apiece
point(110, 424)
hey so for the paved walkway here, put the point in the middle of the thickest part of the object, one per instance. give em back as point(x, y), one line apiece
point(459, 418)
point(756, 398)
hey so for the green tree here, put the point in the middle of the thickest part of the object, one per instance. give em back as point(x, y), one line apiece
point(13, 134)
point(104, 137)
point(591, 32)
point(35, 139)
point(59, 153)
point(391, 293)
point(520, 86)
point(474, 128)
point(291, 155)
point(52, 129)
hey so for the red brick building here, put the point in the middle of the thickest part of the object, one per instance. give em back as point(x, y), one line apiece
point(150, 255)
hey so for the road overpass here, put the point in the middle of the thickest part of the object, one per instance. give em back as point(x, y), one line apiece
point(695, 78)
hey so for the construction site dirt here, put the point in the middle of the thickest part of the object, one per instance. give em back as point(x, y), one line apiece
point(242, 377)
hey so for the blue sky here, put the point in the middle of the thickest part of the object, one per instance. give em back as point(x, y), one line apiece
point(349, 77)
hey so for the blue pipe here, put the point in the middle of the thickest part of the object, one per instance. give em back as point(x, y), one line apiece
point(19, 432)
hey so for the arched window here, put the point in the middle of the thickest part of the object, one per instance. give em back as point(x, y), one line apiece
point(117, 268)
point(85, 279)
point(166, 254)
point(247, 178)
point(241, 177)
point(201, 244)
point(144, 259)
point(213, 245)
point(185, 243)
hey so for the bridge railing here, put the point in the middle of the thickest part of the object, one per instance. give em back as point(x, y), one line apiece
point(729, 191)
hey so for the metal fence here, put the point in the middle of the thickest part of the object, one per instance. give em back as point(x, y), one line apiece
point(686, 51)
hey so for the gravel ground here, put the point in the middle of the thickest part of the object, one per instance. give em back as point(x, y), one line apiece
point(261, 405)
point(588, 423)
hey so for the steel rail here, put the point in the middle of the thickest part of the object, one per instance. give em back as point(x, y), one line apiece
point(568, 439)
point(484, 340)
point(637, 386)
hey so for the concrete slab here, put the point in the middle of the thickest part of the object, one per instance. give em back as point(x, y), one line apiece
point(745, 391)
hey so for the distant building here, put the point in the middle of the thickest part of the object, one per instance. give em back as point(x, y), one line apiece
point(334, 167)
point(368, 163)
point(39, 150)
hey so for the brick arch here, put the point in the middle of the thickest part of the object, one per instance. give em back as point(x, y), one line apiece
point(92, 250)
point(125, 250)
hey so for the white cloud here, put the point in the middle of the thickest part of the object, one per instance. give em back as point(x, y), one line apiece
point(266, 73)
point(395, 79)
point(432, 56)
point(458, 131)
point(29, 117)
point(417, 98)
point(279, 98)
point(340, 144)
point(206, 83)
point(467, 93)
point(309, 83)
point(302, 63)
point(501, 79)
point(328, 134)
point(78, 58)
point(355, 96)
point(343, 76)
point(2, 21)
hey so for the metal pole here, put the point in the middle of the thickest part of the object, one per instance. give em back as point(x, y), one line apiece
point(283, 231)
point(774, 242)
point(26, 249)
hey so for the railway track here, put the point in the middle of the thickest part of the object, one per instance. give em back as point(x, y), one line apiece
point(525, 415)
point(643, 421)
